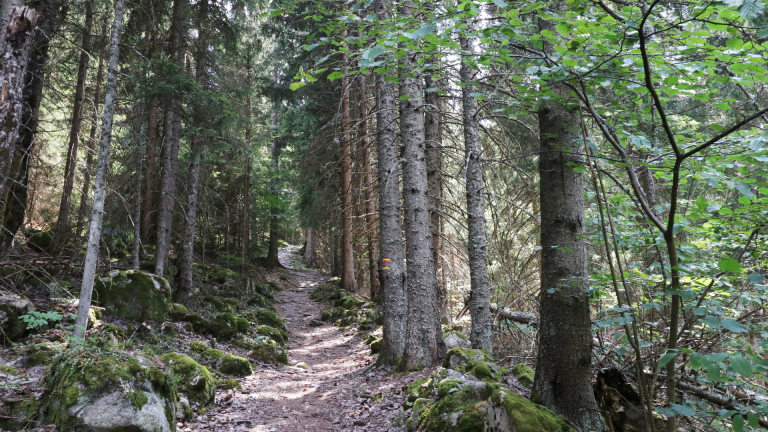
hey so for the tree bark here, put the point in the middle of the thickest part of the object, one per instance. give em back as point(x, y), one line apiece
point(433, 132)
point(480, 335)
point(347, 252)
point(91, 141)
point(65, 206)
point(171, 138)
point(14, 193)
point(424, 345)
point(153, 136)
point(563, 375)
point(274, 220)
point(92, 253)
point(370, 204)
point(392, 274)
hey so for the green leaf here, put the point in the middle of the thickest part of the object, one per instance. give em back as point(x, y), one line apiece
point(735, 43)
point(741, 366)
point(714, 372)
point(751, 9)
point(695, 361)
point(374, 52)
point(297, 85)
point(671, 80)
point(423, 31)
point(335, 75)
point(500, 3)
point(733, 325)
point(729, 265)
point(753, 420)
point(755, 278)
point(666, 358)
point(684, 410)
point(744, 200)
point(738, 423)
point(702, 203)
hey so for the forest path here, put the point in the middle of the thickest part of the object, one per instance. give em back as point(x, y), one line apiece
point(330, 395)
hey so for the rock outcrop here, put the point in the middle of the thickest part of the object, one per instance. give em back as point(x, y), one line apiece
point(134, 295)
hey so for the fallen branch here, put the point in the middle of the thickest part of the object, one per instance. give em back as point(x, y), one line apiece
point(715, 398)
point(518, 317)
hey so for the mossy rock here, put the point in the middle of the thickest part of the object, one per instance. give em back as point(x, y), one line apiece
point(260, 300)
point(267, 352)
point(16, 416)
point(326, 291)
point(269, 318)
point(419, 407)
point(212, 355)
point(333, 313)
point(348, 302)
point(277, 335)
point(460, 407)
point(7, 370)
point(178, 312)
point(226, 325)
point(221, 305)
point(235, 366)
point(229, 384)
point(476, 362)
point(194, 380)
point(376, 346)
point(421, 388)
point(267, 289)
point(12, 307)
point(89, 388)
point(197, 346)
point(134, 295)
point(41, 241)
point(40, 355)
point(507, 411)
point(199, 324)
point(221, 274)
point(524, 374)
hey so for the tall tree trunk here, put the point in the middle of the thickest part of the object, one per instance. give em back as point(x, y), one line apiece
point(137, 215)
point(81, 213)
point(247, 180)
point(62, 222)
point(19, 41)
point(92, 253)
point(392, 261)
point(171, 142)
point(14, 193)
point(274, 217)
point(433, 132)
point(479, 298)
point(347, 252)
point(424, 345)
point(370, 203)
point(563, 375)
point(309, 251)
point(153, 137)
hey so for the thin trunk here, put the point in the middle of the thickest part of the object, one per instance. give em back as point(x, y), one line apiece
point(153, 137)
point(274, 217)
point(14, 194)
point(390, 229)
point(347, 253)
point(247, 180)
point(424, 345)
point(65, 206)
point(137, 217)
point(433, 132)
point(479, 298)
point(308, 251)
point(91, 141)
point(563, 373)
point(171, 142)
point(92, 253)
point(370, 204)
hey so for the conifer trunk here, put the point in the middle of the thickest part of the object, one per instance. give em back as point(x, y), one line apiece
point(392, 264)
point(370, 204)
point(424, 346)
point(479, 297)
point(65, 206)
point(92, 253)
point(563, 374)
point(274, 218)
point(171, 142)
point(347, 253)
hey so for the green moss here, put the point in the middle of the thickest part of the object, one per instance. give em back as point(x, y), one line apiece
point(211, 354)
point(522, 415)
point(476, 362)
point(198, 347)
point(229, 384)
point(199, 324)
point(16, 415)
point(333, 313)
point(376, 345)
point(242, 325)
point(41, 354)
point(178, 312)
point(219, 304)
point(134, 295)
point(446, 387)
point(456, 411)
point(138, 398)
point(419, 407)
point(269, 353)
point(460, 335)
point(269, 318)
point(261, 301)
point(194, 381)
point(418, 389)
point(348, 302)
point(41, 241)
point(277, 335)
point(224, 326)
point(243, 342)
point(7, 370)
point(524, 373)
point(326, 291)
point(234, 365)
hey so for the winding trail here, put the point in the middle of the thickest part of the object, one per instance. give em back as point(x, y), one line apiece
point(334, 393)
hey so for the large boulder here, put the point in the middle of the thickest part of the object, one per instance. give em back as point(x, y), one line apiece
point(92, 390)
point(194, 380)
point(475, 362)
point(13, 306)
point(134, 295)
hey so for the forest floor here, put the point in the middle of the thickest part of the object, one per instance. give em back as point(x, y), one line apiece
point(340, 390)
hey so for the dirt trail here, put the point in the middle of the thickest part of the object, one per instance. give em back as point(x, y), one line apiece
point(335, 392)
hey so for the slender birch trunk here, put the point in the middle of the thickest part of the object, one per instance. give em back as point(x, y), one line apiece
point(92, 253)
